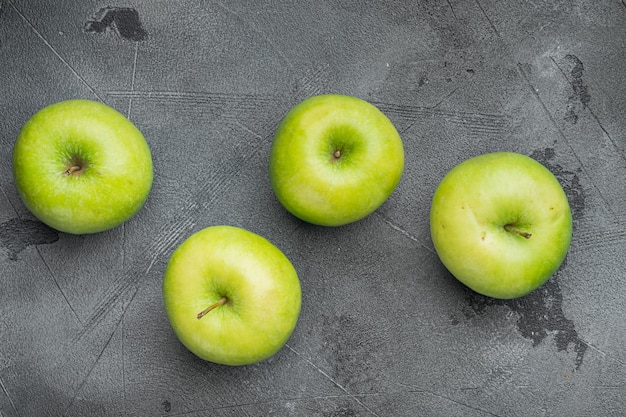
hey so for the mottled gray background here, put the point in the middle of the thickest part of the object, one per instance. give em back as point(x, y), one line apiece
point(384, 329)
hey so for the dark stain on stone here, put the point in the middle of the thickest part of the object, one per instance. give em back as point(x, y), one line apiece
point(540, 313)
point(17, 234)
point(569, 180)
point(167, 406)
point(452, 35)
point(350, 347)
point(123, 20)
point(580, 97)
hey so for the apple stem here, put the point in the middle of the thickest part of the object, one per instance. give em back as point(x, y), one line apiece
point(337, 154)
point(221, 301)
point(71, 170)
point(513, 229)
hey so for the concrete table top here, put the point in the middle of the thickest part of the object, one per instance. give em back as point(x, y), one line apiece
point(384, 330)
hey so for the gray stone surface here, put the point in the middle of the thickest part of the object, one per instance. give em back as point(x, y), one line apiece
point(384, 329)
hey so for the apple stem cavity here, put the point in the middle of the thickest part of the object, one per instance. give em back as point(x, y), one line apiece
point(336, 156)
point(204, 312)
point(72, 169)
point(513, 229)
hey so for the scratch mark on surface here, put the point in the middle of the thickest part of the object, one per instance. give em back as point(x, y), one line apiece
point(443, 397)
point(404, 233)
point(122, 329)
point(211, 100)
point(208, 411)
point(617, 148)
point(446, 398)
point(6, 393)
point(601, 352)
point(447, 96)
point(99, 313)
point(411, 390)
point(219, 179)
point(56, 283)
point(263, 34)
point(337, 384)
point(464, 118)
point(587, 237)
point(591, 112)
point(314, 81)
point(475, 122)
point(56, 53)
point(493, 27)
point(132, 81)
point(247, 129)
point(125, 284)
point(533, 90)
point(106, 345)
point(169, 237)
point(118, 289)
point(452, 10)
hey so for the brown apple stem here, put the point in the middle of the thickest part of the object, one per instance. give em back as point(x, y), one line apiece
point(212, 307)
point(337, 154)
point(71, 170)
point(513, 229)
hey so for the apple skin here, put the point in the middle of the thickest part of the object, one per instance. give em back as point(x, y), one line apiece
point(473, 204)
point(257, 279)
point(115, 175)
point(316, 186)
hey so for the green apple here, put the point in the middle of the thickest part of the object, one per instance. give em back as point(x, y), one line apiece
point(231, 296)
point(335, 159)
point(501, 224)
point(82, 167)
